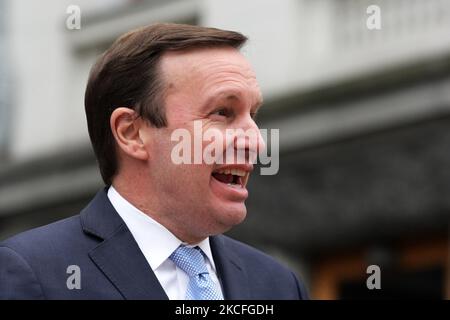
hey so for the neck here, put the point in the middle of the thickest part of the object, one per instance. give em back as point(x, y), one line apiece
point(132, 195)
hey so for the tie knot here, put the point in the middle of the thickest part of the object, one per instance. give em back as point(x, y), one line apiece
point(190, 260)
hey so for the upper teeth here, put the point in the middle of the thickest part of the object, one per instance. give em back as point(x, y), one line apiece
point(236, 172)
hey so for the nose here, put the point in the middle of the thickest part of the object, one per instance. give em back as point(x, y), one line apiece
point(249, 138)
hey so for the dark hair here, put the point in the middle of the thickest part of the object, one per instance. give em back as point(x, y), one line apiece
point(127, 75)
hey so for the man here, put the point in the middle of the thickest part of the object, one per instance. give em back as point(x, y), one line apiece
point(154, 231)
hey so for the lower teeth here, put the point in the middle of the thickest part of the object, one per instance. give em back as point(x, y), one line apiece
point(234, 185)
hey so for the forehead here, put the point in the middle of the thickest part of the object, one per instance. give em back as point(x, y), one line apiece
point(209, 69)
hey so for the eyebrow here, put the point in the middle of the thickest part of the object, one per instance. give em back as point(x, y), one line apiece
point(230, 95)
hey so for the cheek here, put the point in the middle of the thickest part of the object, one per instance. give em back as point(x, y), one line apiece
point(215, 143)
point(186, 183)
point(178, 178)
point(186, 180)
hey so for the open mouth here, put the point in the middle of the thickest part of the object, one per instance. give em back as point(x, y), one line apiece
point(236, 178)
point(229, 182)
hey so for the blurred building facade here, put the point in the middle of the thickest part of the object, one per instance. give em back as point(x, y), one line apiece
point(363, 116)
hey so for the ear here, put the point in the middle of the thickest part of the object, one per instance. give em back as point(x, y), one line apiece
point(126, 127)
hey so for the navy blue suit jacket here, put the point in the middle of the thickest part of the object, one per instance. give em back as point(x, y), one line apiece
point(33, 265)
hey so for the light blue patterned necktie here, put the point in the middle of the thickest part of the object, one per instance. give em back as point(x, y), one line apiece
point(200, 286)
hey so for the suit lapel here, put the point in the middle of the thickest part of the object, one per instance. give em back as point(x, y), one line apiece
point(121, 260)
point(230, 270)
point(118, 255)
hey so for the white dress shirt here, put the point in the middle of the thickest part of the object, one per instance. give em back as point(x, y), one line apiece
point(157, 244)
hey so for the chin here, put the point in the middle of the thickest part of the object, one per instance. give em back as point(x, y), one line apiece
point(231, 215)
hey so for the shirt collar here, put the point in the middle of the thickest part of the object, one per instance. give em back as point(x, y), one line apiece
point(155, 241)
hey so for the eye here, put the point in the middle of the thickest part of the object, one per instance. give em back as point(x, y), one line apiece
point(223, 112)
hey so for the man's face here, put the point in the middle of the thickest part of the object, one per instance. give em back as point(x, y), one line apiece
point(218, 87)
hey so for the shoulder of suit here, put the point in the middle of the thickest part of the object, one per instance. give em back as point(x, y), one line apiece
point(249, 254)
point(39, 240)
point(260, 265)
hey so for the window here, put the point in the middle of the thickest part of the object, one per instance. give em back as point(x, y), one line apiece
point(417, 269)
